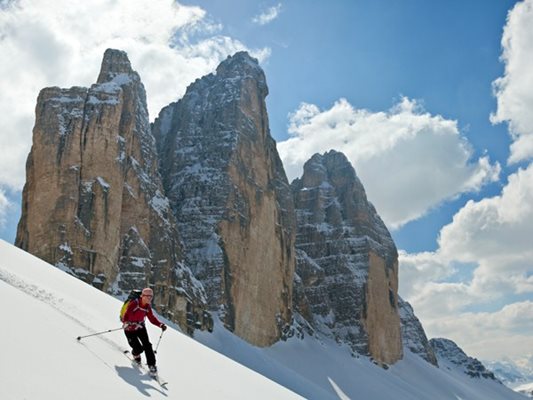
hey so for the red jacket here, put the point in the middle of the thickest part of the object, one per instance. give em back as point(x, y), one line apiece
point(135, 314)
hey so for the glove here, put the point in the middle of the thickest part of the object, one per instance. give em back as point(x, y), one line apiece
point(125, 325)
point(163, 327)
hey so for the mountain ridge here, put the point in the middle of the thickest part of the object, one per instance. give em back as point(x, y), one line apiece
point(197, 205)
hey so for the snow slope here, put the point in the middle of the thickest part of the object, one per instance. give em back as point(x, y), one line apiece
point(526, 389)
point(324, 370)
point(46, 309)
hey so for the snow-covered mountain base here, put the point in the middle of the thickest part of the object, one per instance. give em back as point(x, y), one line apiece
point(45, 310)
point(324, 370)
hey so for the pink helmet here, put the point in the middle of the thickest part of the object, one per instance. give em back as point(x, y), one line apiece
point(147, 292)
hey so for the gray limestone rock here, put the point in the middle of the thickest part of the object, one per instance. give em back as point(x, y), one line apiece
point(229, 193)
point(347, 268)
point(413, 335)
point(447, 351)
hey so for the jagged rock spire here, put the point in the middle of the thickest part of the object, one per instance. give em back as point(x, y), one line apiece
point(242, 65)
point(93, 203)
point(114, 62)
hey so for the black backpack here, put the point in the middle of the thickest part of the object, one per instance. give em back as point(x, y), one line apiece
point(135, 294)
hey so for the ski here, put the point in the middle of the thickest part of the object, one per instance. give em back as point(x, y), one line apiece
point(158, 379)
point(144, 369)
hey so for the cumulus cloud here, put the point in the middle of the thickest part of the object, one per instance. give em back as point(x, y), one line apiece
point(491, 239)
point(61, 43)
point(420, 268)
point(408, 160)
point(514, 91)
point(267, 16)
point(496, 233)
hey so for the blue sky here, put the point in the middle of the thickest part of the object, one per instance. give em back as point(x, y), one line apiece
point(430, 100)
point(373, 52)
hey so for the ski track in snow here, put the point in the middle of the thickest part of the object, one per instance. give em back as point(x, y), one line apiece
point(58, 305)
point(44, 296)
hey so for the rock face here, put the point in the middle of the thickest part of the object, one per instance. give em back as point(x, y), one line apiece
point(347, 267)
point(448, 352)
point(106, 195)
point(229, 193)
point(413, 336)
point(93, 203)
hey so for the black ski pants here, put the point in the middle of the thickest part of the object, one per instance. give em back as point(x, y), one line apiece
point(139, 342)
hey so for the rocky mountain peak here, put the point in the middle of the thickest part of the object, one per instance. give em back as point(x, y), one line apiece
point(230, 196)
point(93, 202)
point(198, 206)
point(238, 63)
point(327, 161)
point(114, 63)
point(241, 67)
point(449, 352)
point(347, 264)
point(331, 168)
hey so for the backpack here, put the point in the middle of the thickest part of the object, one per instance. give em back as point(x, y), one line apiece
point(135, 294)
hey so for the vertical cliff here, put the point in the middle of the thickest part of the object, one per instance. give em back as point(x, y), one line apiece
point(413, 335)
point(93, 203)
point(106, 195)
point(229, 193)
point(347, 264)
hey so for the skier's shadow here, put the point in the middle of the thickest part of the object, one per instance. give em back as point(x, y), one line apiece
point(143, 383)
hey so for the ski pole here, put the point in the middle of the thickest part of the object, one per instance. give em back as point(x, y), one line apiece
point(98, 333)
point(159, 341)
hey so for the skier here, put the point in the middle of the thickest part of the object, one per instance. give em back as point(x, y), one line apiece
point(135, 329)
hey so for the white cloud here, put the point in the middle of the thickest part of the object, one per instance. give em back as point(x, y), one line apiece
point(418, 269)
point(496, 233)
point(490, 243)
point(4, 205)
point(408, 160)
point(504, 333)
point(61, 43)
point(492, 236)
point(514, 91)
point(267, 16)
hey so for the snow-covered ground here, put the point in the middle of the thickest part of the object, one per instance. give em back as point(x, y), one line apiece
point(526, 389)
point(45, 309)
point(327, 371)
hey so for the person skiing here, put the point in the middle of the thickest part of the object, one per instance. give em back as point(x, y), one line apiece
point(135, 330)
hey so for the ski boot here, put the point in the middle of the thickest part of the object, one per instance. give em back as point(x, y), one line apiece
point(136, 358)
